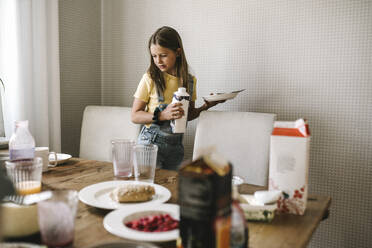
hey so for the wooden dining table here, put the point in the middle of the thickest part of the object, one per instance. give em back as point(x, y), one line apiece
point(285, 230)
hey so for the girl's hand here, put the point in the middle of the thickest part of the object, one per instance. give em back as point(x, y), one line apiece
point(173, 111)
point(208, 105)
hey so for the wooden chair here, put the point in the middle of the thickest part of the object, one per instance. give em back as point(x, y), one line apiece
point(100, 125)
point(243, 138)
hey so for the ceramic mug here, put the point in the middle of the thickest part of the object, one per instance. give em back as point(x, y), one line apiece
point(44, 153)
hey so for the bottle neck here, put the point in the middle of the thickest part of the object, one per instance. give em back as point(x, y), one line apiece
point(21, 125)
point(235, 193)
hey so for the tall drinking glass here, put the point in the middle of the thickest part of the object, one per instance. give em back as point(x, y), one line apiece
point(122, 153)
point(144, 158)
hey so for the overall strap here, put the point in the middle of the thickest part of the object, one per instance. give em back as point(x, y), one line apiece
point(190, 81)
point(160, 94)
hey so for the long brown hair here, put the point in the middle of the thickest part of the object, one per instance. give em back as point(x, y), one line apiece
point(169, 38)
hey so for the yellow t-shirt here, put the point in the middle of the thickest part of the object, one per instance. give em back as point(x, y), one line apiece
point(146, 90)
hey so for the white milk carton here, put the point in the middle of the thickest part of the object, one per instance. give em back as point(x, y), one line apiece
point(289, 164)
point(179, 125)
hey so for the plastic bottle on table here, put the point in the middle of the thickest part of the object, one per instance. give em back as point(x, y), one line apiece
point(179, 125)
point(239, 235)
point(21, 143)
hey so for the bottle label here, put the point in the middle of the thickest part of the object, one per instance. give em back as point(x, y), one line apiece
point(222, 229)
point(19, 154)
point(196, 197)
point(180, 98)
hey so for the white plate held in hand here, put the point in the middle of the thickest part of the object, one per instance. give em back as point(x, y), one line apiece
point(221, 96)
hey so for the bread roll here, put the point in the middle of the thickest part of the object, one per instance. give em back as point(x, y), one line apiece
point(133, 193)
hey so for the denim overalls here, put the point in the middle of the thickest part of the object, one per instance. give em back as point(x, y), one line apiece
point(170, 147)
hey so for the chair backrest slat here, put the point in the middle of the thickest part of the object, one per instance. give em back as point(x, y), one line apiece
point(243, 138)
point(100, 125)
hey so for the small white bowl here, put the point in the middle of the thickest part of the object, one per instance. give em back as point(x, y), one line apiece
point(17, 220)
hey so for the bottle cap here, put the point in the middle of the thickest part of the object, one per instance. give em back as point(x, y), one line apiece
point(23, 122)
point(181, 90)
point(235, 192)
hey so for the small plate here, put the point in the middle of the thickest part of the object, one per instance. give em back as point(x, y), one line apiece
point(114, 222)
point(98, 195)
point(21, 245)
point(222, 96)
point(61, 158)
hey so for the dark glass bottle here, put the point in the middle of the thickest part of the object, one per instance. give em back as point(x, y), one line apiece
point(205, 205)
point(239, 234)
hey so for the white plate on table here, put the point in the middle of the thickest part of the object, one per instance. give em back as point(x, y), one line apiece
point(61, 158)
point(122, 244)
point(222, 96)
point(98, 195)
point(114, 222)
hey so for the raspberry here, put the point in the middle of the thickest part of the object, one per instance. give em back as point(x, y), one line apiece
point(155, 223)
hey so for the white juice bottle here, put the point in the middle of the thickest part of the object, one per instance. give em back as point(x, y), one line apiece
point(21, 143)
point(179, 125)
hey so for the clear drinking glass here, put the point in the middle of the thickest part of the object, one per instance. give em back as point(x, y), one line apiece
point(144, 158)
point(25, 175)
point(57, 218)
point(122, 153)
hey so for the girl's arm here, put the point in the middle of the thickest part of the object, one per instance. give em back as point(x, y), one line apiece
point(140, 116)
point(195, 112)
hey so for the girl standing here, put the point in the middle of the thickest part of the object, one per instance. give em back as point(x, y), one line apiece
point(152, 100)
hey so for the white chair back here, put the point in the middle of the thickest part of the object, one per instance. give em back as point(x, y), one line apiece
point(100, 125)
point(243, 138)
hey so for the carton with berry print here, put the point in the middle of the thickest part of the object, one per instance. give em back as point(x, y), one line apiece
point(289, 164)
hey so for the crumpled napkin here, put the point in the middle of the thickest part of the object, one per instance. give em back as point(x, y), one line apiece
point(261, 197)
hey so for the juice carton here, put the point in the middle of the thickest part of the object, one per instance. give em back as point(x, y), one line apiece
point(289, 164)
point(205, 202)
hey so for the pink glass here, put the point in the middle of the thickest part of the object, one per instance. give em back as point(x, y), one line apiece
point(57, 218)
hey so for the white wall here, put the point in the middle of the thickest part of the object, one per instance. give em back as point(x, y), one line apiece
point(307, 59)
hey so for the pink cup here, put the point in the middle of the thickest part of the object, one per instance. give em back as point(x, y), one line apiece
point(57, 218)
